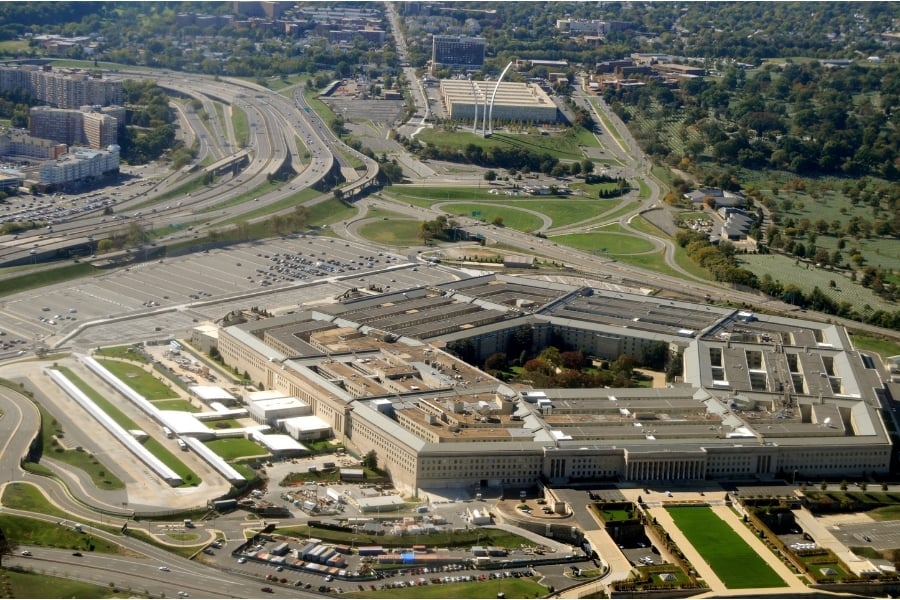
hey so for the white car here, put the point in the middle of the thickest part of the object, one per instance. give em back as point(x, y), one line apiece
point(242, 560)
point(164, 568)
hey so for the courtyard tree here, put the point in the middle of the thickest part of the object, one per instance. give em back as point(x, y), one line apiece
point(370, 460)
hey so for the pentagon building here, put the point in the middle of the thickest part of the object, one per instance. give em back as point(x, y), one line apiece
point(760, 396)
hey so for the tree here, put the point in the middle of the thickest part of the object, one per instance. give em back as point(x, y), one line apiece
point(490, 175)
point(7, 546)
point(496, 362)
point(587, 166)
point(370, 460)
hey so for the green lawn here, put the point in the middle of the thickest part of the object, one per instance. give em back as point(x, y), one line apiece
point(120, 352)
point(45, 277)
point(330, 211)
point(562, 146)
point(522, 587)
point(39, 585)
point(36, 532)
point(393, 232)
point(733, 561)
point(241, 129)
point(681, 258)
point(605, 243)
point(139, 380)
point(27, 496)
point(882, 346)
point(234, 448)
point(428, 196)
point(512, 217)
point(566, 211)
point(263, 229)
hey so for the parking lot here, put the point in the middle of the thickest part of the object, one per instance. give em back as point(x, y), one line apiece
point(278, 275)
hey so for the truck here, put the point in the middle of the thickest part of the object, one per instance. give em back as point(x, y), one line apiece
point(183, 445)
point(168, 433)
point(188, 524)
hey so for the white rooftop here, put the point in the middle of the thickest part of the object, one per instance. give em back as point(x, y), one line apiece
point(210, 392)
point(308, 423)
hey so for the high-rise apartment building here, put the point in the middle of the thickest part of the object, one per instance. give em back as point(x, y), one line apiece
point(88, 126)
point(61, 89)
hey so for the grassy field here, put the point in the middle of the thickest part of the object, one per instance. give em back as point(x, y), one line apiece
point(40, 585)
point(292, 200)
point(681, 258)
point(120, 352)
point(151, 444)
point(35, 532)
point(428, 196)
point(733, 561)
point(241, 129)
point(522, 587)
point(882, 346)
point(235, 448)
point(330, 211)
point(786, 270)
point(393, 232)
point(566, 211)
point(27, 496)
point(141, 381)
point(605, 243)
point(562, 146)
point(81, 459)
point(45, 277)
point(885, 513)
point(512, 217)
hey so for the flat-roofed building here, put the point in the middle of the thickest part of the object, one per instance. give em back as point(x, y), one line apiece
point(80, 164)
point(270, 412)
point(457, 51)
point(761, 396)
point(514, 101)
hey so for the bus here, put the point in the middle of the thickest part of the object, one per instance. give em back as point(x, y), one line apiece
point(168, 432)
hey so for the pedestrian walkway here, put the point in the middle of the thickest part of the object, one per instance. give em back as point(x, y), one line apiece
point(824, 538)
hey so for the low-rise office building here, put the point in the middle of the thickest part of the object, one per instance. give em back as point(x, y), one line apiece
point(760, 396)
